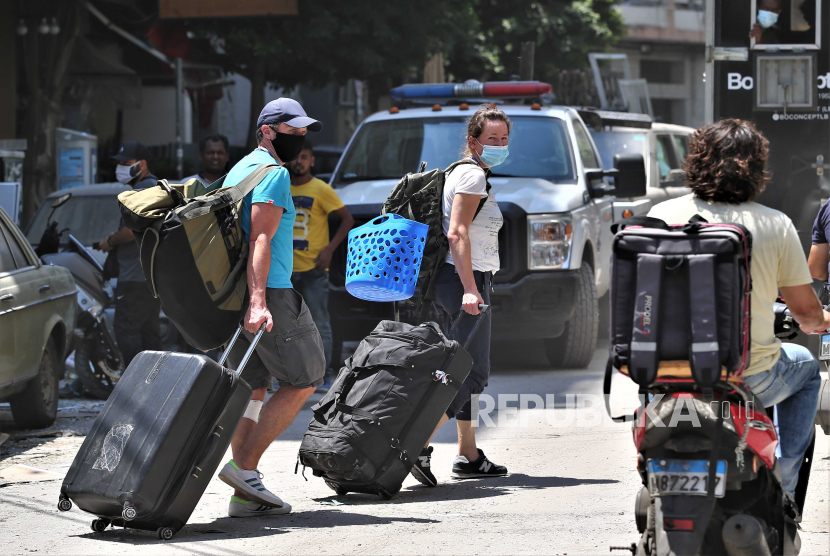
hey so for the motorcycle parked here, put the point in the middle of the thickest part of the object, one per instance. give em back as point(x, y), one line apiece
point(711, 480)
point(98, 362)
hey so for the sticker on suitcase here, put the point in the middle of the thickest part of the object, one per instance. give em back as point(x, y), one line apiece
point(113, 447)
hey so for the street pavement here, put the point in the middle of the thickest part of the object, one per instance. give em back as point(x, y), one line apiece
point(570, 490)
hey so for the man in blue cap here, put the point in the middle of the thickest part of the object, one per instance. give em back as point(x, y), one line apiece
point(291, 349)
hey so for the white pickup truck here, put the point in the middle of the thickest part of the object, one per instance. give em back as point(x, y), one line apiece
point(555, 245)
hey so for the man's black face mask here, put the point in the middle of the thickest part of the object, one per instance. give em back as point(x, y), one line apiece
point(288, 147)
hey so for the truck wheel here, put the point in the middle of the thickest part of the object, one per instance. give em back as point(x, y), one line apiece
point(36, 407)
point(575, 347)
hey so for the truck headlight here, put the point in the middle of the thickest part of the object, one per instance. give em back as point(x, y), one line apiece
point(88, 303)
point(549, 241)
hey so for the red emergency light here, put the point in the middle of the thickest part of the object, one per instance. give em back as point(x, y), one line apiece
point(471, 89)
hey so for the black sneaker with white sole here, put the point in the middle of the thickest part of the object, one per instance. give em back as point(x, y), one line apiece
point(462, 468)
point(421, 469)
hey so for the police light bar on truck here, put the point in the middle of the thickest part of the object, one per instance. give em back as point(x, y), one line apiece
point(471, 89)
point(598, 119)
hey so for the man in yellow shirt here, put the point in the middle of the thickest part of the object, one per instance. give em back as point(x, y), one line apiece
point(314, 200)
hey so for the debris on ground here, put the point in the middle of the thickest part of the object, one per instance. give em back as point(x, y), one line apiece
point(20, 474)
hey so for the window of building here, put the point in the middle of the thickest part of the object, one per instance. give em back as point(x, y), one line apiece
point(786, 24)
point(662, 71)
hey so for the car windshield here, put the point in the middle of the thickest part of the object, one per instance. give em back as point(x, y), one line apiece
point(89, 218)
point(389, 149)
point(610, 143)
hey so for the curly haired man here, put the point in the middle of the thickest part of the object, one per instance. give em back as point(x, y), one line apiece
point(726, 168)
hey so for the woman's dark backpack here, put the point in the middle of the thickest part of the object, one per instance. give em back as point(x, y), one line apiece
point(419, 196)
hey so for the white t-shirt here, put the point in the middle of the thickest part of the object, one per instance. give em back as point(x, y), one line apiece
point(484, 231)
point(777, 261)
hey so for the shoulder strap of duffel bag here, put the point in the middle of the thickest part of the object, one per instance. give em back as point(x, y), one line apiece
point(205, 204)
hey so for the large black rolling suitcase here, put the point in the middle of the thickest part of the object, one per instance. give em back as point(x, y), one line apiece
point(383, 407)
point(155, 446)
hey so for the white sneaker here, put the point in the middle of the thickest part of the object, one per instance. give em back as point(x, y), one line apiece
point(249, 481)
point(244, 508)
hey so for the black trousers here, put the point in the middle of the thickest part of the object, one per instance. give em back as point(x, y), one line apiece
point(448, 294)
point(136, 319)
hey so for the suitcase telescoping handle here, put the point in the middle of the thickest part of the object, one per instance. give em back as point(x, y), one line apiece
point(248, 353)
point(460, 315)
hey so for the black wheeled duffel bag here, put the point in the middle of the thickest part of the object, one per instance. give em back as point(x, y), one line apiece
point(384, 406)
point(157, 442)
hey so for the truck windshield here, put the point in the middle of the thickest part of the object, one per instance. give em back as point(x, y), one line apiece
point(610, 143)
point(389, 149)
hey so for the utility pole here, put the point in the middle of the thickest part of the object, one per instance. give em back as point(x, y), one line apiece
point(527, 57)
point(179, 119)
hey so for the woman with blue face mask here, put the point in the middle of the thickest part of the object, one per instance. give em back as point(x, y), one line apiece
point(472, 220)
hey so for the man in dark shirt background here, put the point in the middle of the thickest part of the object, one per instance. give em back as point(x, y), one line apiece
point(214, 154)
point(820, 250)
point(136, 310)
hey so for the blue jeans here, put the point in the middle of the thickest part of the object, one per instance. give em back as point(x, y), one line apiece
point(313, 285)
point(792, 385)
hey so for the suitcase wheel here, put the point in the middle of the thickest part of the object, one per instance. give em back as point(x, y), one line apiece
point(64, 504)
point(165, 533)
point(100, 525)
point(129, 513)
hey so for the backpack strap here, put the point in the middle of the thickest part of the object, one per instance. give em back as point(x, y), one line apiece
point(703, 351)
point(645, 335)
point(205, 204)
point(147, 254)
point(458, 163)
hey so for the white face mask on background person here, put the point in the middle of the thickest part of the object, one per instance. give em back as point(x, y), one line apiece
point(126, 174)
point(767, 19)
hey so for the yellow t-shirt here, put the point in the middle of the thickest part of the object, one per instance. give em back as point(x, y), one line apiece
point(777, 261)
point(313, 203)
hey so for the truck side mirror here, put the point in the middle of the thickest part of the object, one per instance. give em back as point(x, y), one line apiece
point(629, 175)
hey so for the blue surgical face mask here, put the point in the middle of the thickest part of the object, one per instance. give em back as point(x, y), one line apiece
point(767, 19)
point(492, 155)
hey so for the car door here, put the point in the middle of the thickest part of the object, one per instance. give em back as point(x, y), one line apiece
point(37, 288)
point(12, 301)
point(604, 215)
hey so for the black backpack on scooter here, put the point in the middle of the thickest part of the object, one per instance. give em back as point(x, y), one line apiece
point(680, 302)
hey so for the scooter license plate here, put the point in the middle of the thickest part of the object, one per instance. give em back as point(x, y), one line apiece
point(824, 352)
point(672, 477)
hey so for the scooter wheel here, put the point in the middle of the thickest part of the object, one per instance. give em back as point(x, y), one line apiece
point(165, 533)
point(64, 504)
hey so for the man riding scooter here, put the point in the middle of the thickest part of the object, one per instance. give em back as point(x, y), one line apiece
point(726, 169)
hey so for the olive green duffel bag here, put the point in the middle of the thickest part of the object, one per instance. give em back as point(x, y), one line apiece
point(193, 252)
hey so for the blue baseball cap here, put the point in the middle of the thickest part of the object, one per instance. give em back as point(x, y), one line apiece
point(289, 111)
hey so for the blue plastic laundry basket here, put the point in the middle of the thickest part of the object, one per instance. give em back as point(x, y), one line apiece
point(385, 258)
